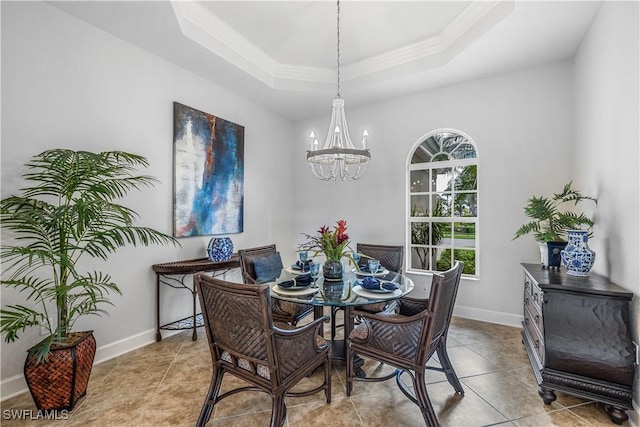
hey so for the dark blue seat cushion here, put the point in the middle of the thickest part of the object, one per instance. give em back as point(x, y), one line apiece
point(267, 268)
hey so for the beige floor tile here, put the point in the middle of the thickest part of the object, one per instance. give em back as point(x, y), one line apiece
point(125, 407)
point(196, 370)
point(509, 396)
point(127, 375)
point(594, 413)
point(468, 363)
point(387, 408)
point(524, 375)
point(467, 410)
point(253, 419)
point(175, 403)
point(561, 418)
point(341, 413)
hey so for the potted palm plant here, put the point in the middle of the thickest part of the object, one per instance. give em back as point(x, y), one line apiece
point(549, 222)
point(68, 212)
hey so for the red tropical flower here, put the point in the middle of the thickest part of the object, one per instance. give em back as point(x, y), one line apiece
point(334, 244)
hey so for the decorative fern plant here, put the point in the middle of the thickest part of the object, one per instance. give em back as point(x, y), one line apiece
point(67, 212)
point(548, 222)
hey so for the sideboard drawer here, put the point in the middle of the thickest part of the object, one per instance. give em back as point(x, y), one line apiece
point(535, 313)
point(537, 339)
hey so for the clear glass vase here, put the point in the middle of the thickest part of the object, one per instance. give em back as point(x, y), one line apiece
point(332, 270)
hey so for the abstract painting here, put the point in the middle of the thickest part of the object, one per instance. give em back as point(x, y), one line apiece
point(208, 174)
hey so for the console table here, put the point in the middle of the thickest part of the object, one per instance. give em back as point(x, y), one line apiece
point(576, 331)
point(165, 275)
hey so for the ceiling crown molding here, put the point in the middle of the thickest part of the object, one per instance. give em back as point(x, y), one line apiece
point(205, 28)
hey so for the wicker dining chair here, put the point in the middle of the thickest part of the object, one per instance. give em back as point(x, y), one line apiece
point(391, 257)
point(409, 339)
point(283, 311)
point(245, 342)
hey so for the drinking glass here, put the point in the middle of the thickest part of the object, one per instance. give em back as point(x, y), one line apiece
point(314, 270)
point(374, 265)
point(303, 259)
point(356, 260)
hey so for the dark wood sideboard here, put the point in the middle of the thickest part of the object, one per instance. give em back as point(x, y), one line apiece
point(576, 331)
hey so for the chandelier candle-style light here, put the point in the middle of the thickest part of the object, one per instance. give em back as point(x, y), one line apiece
point(338, 157)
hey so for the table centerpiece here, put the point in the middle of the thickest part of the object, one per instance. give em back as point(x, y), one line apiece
point(334, 245)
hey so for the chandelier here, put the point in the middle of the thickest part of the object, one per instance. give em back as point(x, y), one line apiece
point(338, 157)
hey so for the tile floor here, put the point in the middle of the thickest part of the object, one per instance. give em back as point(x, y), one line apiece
point(164, 384)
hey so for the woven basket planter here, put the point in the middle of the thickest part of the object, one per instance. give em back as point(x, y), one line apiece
point(62, 381)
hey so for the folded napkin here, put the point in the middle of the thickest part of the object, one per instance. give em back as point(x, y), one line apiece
point(389, 286)
point(304, 280)
point(286, 283)
point(299, 282)
point(371, 283)
point(374, 284)
point(304, 266)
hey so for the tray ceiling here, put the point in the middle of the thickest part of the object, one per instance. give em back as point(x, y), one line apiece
point(282, 54)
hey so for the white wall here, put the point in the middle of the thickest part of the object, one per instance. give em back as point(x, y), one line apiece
point(522, 125)
point(607, 145)
point(68, 84)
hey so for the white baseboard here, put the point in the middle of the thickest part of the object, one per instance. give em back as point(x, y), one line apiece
point(13, 386)
point(483, 315)
point(16, 385)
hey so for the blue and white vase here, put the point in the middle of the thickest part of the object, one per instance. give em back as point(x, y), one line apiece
point(576, 256)
point(220, 249)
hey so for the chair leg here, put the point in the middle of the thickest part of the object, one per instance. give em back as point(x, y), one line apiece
point(334, 312)
point(448, 367)
point(278, 410)
point(422, 396)
point(210, 400)
point(327, 378)
point(350, 370)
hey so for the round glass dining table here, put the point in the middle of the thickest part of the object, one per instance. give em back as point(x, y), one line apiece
point(346, 294)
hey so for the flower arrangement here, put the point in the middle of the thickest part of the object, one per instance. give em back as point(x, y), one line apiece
point(334, 244)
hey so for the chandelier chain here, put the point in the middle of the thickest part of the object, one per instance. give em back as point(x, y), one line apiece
point(338, 47)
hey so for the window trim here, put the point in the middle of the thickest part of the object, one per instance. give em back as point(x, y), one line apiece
point(448, 163)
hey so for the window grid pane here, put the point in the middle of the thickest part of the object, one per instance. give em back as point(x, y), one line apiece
point(443, 204)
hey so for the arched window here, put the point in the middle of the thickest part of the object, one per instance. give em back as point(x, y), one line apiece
point(442, 198)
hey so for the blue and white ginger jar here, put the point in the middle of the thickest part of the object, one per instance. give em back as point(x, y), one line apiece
point(576, 256)
point(220, 249)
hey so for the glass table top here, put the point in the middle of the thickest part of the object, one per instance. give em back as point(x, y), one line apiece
point(349, 291)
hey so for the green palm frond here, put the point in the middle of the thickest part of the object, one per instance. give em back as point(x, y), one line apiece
point(15, 319)
point(69, 211)
point(548, 222)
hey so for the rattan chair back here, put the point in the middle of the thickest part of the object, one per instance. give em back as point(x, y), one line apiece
point(246, 260)
point(223, 306)
point(442, 298)
point(391, 257)
point(283, 311)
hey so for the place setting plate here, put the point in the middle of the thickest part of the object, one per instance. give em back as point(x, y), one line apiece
point(296, 271)
point(295, 291)
point(381, 272)
point(380, 293)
